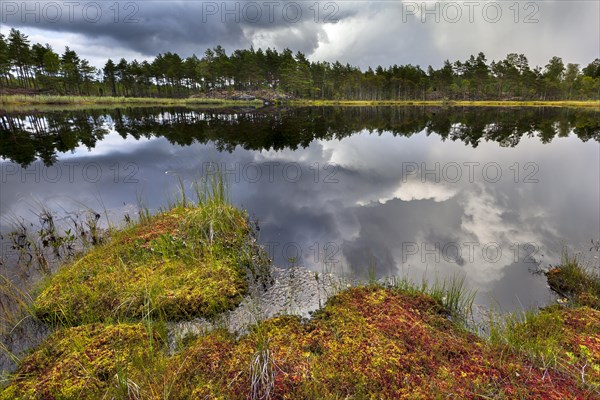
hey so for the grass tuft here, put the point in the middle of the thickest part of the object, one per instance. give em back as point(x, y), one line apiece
point(451, 295)
point(575, 281)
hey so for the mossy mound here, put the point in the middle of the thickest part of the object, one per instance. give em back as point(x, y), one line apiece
point(572, 280)
point(188, 262)
point(367, 343)
point(89, 361)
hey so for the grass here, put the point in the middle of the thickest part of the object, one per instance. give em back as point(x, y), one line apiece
point(575, 281)
point(451, 295)
point(449, 103)
point(262, 368)
point(565, 339)
point(49, 100)
point(109, 100)
point(556, 338)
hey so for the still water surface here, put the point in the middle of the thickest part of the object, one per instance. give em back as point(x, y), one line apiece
point(484, 192)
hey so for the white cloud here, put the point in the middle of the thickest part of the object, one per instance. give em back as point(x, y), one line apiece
point(416, 190)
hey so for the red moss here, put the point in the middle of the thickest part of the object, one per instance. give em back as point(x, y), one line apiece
point(367, 342)
point(375, 342)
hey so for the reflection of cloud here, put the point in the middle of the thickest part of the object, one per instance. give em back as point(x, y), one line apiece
point(516, 289)
point(415, 190)
point(110, 144)
point(497, 238)
point(484, 242)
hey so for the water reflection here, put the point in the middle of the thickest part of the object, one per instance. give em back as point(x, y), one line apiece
point(486, 192)
point(25, 137)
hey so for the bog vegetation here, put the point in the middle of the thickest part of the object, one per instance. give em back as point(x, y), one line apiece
point(110, 310)
point(38, 67)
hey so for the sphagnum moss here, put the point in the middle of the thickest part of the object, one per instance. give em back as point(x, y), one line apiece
point(91, 361)
point(367, 342)
point(187, 262)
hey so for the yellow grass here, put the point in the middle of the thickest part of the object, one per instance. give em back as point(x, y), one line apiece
point(108, 100)
point(449, 103)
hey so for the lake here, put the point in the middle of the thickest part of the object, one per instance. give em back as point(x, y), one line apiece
point(491, 194)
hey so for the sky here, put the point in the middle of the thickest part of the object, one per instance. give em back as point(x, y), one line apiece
point(362, 33)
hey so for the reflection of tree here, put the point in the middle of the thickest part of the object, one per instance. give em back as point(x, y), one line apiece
point(23, 138)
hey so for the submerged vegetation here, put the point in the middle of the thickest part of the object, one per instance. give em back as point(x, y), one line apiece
point(110, 309)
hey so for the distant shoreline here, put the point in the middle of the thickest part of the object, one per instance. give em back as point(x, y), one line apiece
point(26, 100)
point(451, 103)
point(109, 100)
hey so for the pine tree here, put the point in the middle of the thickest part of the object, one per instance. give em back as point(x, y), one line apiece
point(19, 55)
point(110, 76)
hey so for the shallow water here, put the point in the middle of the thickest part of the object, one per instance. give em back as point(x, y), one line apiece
point(491, 194)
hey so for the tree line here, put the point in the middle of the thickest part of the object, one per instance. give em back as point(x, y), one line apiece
point(38, 67)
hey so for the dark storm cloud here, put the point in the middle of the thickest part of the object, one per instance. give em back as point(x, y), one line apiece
point(183, 26)
point(360, 33)
point(155, 27)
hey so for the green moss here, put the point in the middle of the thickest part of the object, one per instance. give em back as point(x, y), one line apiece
point(559, 338)
point(92, 361)
point(367, 342)
point(566, 339)
point(188, 262)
